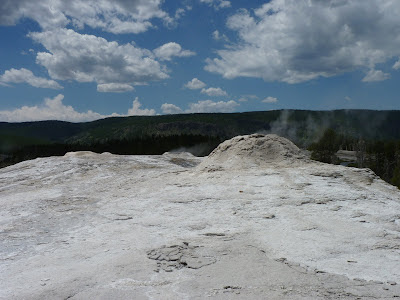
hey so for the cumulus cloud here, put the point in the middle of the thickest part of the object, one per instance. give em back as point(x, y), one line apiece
point(224, 4)
point(347, 98)
point(209, 106)
point(51, 109)
point(217, 4)
point(245, 98)
point(214, 92)
point(205, 106)
point(170, 109)
point(299, 40)
point(55, 109)
point(179, 13)
point(137, 111)
point(376, 75)
point(270, 100)
point(169, 50)
point(114, 88)
point(218, 36)
point(116, 16)
point(396, 66)
point(88, 58)
point(47, 12)
point(195, 84)
point(24, 75)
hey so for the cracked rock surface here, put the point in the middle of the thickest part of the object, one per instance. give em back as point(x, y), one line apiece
point(180, 256)
point(174, 226)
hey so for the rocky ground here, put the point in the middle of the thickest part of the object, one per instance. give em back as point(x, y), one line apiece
point(254, 220)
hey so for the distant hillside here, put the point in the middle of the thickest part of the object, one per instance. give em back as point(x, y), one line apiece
point(155, 134)
point(303, 127)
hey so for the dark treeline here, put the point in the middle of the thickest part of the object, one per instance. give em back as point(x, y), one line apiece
point(381, 156)
point(199, 145)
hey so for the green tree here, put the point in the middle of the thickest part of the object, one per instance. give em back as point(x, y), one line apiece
point(396, 177)
point(324, 150)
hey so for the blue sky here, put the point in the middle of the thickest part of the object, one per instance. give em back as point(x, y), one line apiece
point(81, 60)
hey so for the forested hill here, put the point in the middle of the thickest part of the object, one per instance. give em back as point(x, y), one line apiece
point(157, 134)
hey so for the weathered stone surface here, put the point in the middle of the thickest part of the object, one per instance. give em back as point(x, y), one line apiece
point(98, 226)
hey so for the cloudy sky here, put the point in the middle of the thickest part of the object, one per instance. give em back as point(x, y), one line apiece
point(81, 60)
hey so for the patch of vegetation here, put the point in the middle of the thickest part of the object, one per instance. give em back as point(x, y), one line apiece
point(325, 149)
point(381, 156)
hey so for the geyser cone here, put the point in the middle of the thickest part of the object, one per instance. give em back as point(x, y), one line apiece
point(250, 151)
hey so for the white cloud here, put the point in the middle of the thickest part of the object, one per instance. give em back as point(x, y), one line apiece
point(347, 98)
point(24, 75)
point(214, 92)
point(224, 4)
point(217, 36)
point(167, 51)
point(136, 111)
point(116, 16)
point(46, 12)
point(179, 13)
point(54, 109)
point(217, 4)
point(51, 109)
point(209, 106)
point(205, 106)
point(195, 84)
point(396, 66)
point(296, 41)
point(87, 58)
point(376, 75)
point(245, 98)
point(114, 88)
point(270, 100)
point(170, 109)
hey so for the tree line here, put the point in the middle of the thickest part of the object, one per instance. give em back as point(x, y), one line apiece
point(381, 156)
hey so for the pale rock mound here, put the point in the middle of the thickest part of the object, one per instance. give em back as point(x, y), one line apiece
point(103, 226)
point(250, 151)
point(85, 154)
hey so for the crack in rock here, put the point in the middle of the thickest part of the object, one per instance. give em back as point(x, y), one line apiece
point(180, 256)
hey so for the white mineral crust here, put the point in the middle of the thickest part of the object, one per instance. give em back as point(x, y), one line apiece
point(254, 220)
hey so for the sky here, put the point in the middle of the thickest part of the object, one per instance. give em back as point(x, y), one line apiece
point(82, 60)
